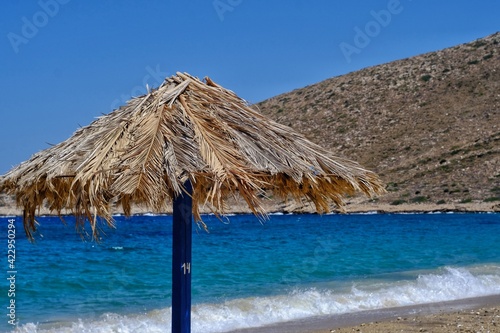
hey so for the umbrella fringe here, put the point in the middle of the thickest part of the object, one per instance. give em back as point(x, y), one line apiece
point(142, 153)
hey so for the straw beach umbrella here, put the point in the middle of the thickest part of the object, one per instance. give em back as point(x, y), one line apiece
point(189, 143)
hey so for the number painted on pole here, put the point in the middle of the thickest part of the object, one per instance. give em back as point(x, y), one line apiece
point(187, 268)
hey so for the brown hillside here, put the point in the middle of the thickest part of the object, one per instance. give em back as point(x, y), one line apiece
point(429, 125)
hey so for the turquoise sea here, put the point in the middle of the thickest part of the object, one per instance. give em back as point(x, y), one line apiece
point(246, 274)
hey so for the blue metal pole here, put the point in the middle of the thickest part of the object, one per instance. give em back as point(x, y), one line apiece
point(181, 261)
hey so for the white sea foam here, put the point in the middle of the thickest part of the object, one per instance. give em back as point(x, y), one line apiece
point(443, 285)
point(370, 212)
point(150, 214)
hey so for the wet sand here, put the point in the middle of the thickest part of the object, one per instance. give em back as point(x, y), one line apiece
point(480, 314)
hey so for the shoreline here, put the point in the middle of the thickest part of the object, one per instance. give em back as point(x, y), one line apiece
point(352, 207)
point(468, 315)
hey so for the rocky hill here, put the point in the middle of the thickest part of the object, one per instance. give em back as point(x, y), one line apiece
point(429, 124)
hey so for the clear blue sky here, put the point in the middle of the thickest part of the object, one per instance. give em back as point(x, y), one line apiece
point(64, 62)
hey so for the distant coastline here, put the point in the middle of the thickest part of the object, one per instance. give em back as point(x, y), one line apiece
point(351, 207)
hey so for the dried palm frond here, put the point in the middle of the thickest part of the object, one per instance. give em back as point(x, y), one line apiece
point(143, 153)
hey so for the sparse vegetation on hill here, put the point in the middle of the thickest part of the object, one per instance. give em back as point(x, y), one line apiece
point(429, 125)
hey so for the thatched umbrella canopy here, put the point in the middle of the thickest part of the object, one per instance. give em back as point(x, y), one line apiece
point(143, 153)
point(189, 142)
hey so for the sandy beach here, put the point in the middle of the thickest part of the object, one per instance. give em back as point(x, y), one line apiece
point(481, 314)
point(355, 205)
point(472, 315)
